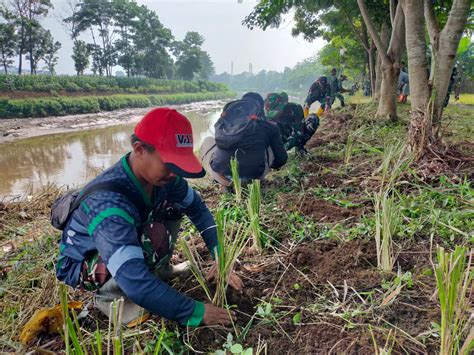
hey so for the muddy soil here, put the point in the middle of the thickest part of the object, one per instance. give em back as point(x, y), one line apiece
point(19, 128)
point(320, 210)
point(315, 266)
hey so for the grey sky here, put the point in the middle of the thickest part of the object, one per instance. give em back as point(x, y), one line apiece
point(226, 39)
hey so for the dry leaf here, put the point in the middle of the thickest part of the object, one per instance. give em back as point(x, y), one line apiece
point(48, 320)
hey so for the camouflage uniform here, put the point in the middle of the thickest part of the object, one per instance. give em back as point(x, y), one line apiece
point(335, 87)
point(289, 117)
point(157, 241)
point(274, 105)
point(319, 91)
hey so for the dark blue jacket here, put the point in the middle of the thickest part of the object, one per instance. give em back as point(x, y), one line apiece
point(108, 223)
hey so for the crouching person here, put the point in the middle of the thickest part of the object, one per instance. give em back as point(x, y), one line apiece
point(295, 130)
point(243, 133)
point(123, 227)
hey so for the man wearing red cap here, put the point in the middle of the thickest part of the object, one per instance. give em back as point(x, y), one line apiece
point(119, 241)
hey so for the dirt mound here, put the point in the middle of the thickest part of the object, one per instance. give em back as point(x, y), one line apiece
point(334, 128)
point(320, 209)
point(326, 180)
point(325, 211)
point(321, 338)
point(320, 162)
point(352, 261)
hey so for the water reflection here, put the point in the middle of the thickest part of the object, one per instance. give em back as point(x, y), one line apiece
point(73, 158)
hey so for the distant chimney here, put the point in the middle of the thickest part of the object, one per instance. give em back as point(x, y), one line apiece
point(232, 67)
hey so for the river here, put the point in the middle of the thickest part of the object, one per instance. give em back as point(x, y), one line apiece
point(73, 158)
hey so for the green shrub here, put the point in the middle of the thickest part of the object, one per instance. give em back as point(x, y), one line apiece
point(72, 87)
point(45, 83)
point(59, 106)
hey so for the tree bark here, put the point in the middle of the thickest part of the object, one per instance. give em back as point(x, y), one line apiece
point(390, 57)
point(371, 55)
point(385, 37)
point(416, 51)
point(420, 133)
point(388, 92)
point(20, 51)
point(444, 45)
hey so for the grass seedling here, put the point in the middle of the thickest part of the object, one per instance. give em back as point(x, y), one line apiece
point(195, 267)
point(253, 207)
point(231, 240)
point(348, 149)
point(234, 168)
point(116, 321)
point(72, 330)
point(387, 222)
point(395, 160)
point(453, 279)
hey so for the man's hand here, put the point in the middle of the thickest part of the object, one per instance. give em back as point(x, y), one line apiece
point(217, 316)
point(234, 281)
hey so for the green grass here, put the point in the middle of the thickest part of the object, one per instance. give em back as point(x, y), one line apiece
point(358, 98)
point(453, 277)
point(71, 84)
point(60, 106)
point(466, 99)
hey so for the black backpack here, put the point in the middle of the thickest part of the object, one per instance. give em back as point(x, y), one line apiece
point(65, 205)
point(237, 119)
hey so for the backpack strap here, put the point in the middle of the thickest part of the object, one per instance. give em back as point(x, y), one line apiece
point(135, 199)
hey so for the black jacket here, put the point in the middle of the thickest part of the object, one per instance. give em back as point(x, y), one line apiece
point(250, 149)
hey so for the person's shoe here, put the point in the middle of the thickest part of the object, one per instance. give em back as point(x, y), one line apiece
point(171, 271)
point(138, 321)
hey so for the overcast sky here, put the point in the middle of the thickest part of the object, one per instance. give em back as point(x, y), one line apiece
point(220, 23)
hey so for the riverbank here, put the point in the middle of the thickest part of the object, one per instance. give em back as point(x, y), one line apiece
point(19, 128)
point(62, 106)
point(317, 288)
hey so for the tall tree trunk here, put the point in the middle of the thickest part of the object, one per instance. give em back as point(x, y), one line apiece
point(420, 133)
point(378, 77)
point(385, 37)
point(388, 92)
point(389, 57)
point(20, 51)
point(444, 44)
point(371, 54)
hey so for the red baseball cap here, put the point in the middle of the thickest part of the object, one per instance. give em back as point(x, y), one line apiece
point(172, 136)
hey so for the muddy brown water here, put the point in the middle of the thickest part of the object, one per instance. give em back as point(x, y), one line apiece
point(73, 158)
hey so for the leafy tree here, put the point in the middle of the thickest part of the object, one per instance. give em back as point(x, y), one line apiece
point(18, 13)
point(50, 57)
point(97, 17)
point(327, 19)
point(126, 17)
point(36, 10)
point(152, 42)
point(8, 45)
point(345, 53)
point(41, 42)
point(81, 57)
point(26, 15)
point(207, 66)
point(428, 94)
point(192, 61)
